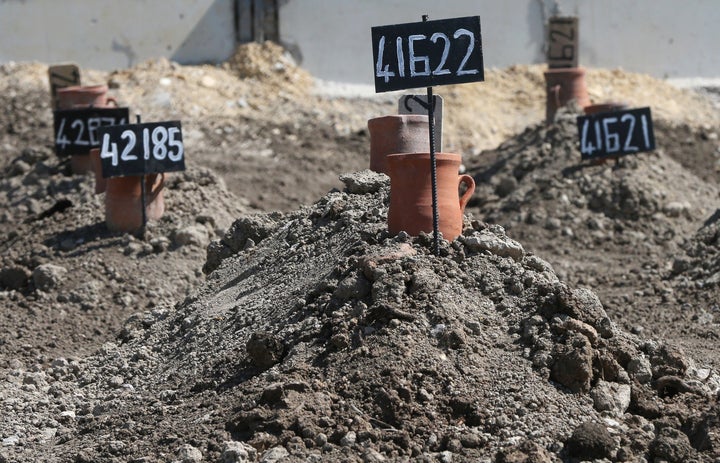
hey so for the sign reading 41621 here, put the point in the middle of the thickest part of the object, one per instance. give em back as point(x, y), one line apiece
point(139, 149)
point(428, 53)
point(617, 133)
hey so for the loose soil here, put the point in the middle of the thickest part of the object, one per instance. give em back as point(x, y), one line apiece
point(269, 316)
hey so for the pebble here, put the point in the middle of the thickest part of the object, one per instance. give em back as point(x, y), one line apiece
point(48, 276)
point(611, 397)
point(238, 452)
point(189, 454)
point(275, 454)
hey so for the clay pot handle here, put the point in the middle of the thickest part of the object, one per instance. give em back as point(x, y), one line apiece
point(151, 181)
point(112, 100)
point(555, 90)
point(470, 183)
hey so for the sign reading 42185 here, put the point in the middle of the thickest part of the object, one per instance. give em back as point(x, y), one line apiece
point(424, 54)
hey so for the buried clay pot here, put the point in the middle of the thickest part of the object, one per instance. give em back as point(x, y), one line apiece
point(404, 133)
point(610, 106)
point(96, 166)
point(123, 201)
point(76, 97)
point(411, 194)
point(563, 85)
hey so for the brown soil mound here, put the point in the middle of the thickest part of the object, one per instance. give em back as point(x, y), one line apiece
point(316, 336)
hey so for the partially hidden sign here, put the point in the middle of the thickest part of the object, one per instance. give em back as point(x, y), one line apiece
point(76, 129)
point(61, 76)
point(418, 104)
point(139, 149)
point(424, 54)
point(615, 134)
point(562, 48)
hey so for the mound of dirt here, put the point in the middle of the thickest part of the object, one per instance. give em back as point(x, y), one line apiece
point(324, 339)
point(616, 227)
point(68, 279)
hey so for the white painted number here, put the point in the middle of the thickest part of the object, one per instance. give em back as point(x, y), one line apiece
point(439, 71)
point(379, 70)
point(610, 130)
point(61, 139)
point(415, 59)
point(612, 140)
point(109, 150)
point(420, 65)
point(461, 71)
point(78, 124)
point(178, 155)
point(630, 118)
point(132, 139)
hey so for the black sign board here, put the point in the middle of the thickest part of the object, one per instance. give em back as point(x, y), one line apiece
point(60, 76)
point(562, 48)
point(76, 129)
point(424, 54)
point(418, 104)
point(617, 133)
point(140, 149)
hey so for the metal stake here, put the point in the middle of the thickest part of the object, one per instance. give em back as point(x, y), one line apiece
point(142, 188)
point(433, 166)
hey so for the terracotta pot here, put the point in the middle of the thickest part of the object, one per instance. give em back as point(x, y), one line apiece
point(123, 201)
point(96, 167)
point(604, 107)
point(405, 133)
point(78, 96)
point(564, 85)
point(411, 194)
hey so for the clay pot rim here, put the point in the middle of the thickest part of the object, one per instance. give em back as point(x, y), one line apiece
point(438, 156)
point(607, 106)
point(565, 71)
point(99, 88)
point(415, 118)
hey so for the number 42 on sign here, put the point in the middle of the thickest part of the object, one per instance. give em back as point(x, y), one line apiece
point(138, 149)
point(162, 139)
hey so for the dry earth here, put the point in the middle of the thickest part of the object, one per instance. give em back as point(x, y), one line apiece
point(584, 330)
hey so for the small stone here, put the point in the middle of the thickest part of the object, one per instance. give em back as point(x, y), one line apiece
point(207, 81)
point(48, 276)
point(372, 456)
point(11, 441)
point(238, 452)
point(321, 439)
point(348, 439)
point(640, 369)
point(160, 244)
point(364, 182)
point(677, 209)
point(499, 245)
point(612, 397)
point(116, 381)
point(194, 235)
point(265, 349)
point(590, 441)
point(189, 454)
point(275, 454)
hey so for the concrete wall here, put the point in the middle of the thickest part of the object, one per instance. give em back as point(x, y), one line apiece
point(107, 34)
point(331, 38)
point(665, 38)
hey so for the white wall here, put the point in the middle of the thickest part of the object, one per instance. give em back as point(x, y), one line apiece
point(665, 38)
point(107, 34)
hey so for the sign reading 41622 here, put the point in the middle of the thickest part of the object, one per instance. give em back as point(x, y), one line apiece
point(139, 149)
point(428, 53)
